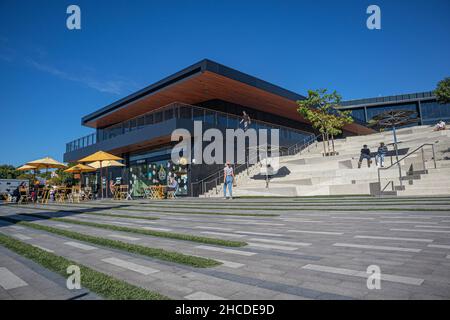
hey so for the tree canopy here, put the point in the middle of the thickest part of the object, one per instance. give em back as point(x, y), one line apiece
point(442, 91)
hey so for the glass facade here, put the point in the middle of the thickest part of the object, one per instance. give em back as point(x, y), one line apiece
point(154, 168)
point(374, 111)
point(429, 112)
point(432, 112)
point(181, 111)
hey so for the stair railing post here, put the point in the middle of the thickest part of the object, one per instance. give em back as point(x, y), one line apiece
point(434, 156)
point(423, 159)
point(379, 182)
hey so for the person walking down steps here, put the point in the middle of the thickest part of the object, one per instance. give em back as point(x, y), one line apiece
point(228, 177)
point(246, 119)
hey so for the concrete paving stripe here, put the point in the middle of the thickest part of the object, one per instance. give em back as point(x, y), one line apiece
point(362, 274)
point(21, 236)
point(437, 227)
point(119, 236)
point(230, 264)
point(9, 280)
point(260, 233)
point(421, 230)
point(63, 226)
point(130, 266)
point(18, 227)
point(223, 250)
point(364, 246)
point(124, 223)
point(271, 246)
point(317, 232)
point(156, 229)
point(441, 246)
point(43, 248)
point(223, 234)
point(200, 295)
point(407, 222)
point(306, 219)
point(293, 243)
point(213, 228)
point(394, 238)
point(80, 245)
point(352, 218)
point(448, 257)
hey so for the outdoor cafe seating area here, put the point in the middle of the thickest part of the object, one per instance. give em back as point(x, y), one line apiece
point(46, 191)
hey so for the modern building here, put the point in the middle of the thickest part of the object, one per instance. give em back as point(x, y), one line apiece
point(427, 109)
point(139, 126)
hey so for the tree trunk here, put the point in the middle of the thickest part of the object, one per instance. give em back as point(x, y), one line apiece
point(324, 148)
point(332, 143)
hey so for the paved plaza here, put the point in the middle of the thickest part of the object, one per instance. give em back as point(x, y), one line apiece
point(296, 248)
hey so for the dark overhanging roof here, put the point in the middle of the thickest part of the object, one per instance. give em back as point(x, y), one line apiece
point(195, 69)
point(401, 98)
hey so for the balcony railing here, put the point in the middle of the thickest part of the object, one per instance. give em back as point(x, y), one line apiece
point(81, 142)
point(181, 111)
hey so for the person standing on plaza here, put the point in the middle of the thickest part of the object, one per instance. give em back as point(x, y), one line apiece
point(228, 177)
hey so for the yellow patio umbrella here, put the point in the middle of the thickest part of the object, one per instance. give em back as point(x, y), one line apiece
point(47, 163)
point(105, 164)
point(26, 168)
point(100, 156)
point(80, 168)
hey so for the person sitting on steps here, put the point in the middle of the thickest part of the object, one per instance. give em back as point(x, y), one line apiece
point(381, 153)
point(365, 154)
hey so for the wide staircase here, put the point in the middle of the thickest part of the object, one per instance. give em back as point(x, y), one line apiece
point(423, 169)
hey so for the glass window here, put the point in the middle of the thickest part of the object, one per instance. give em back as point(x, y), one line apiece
point(126, 126)
point(133, 124)
point(210, 117)
point(158, 117)
point(185, 112)
point(359, 114)
point(168, 114)
point(222, 120)
point(141, 122)
point(198, 114)
point(434, 111)
point(149, 119)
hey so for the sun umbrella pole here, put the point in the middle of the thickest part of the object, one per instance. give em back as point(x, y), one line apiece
point(101, 179)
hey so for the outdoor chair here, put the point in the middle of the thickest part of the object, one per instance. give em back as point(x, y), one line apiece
point(75, 196)
point(172, 194)
point(129, 197)
point(24, 195)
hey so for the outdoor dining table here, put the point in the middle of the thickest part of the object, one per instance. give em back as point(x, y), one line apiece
point(156, 192)
point(61, 194)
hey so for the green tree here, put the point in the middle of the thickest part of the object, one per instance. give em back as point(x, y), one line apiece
point(442, 91)
point(320, 109)
point(8, 172)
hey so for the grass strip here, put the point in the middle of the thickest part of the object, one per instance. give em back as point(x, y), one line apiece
point(160, 254)
point(97, 214)
point(164, 211)
point(315, 208)
point(97, 282)
point(154, 233)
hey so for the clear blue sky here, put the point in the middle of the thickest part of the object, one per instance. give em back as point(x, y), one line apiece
point(50, 77)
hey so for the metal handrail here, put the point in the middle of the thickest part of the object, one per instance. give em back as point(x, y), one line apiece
point(401, 159)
